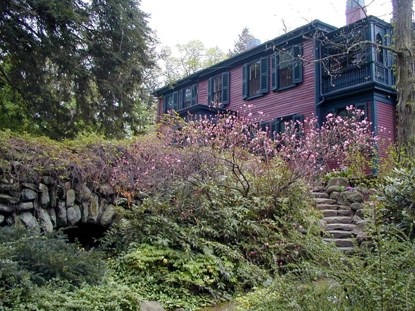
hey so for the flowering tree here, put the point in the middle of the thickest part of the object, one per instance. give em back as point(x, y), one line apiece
point(239, 149)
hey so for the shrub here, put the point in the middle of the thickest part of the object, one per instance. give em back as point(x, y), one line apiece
point(377, 277)
point(398, 197)
point(40, 258)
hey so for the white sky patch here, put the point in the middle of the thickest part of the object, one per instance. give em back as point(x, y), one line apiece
point(219, 22)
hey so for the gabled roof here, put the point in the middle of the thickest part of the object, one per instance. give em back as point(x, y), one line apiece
point(295, 35)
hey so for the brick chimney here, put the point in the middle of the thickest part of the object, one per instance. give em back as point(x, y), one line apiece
point(355, 10)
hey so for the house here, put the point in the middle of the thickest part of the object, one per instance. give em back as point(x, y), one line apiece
point(315, 69)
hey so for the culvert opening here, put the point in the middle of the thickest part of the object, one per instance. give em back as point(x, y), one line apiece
point(88, 235)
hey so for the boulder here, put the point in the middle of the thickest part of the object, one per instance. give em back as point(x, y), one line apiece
point(70, 198)
point(73, 214)
point(85, 212)
point(93, 212)
point(83, 193)
point(61, 217)
point(45, 221)
point(52, 215)
point(44, 195)
point(338, 181)
point(352, 197)
point(2, 218)
point(28, 219)
point(25, 206)
point(335, 195)
point(7, 199)
point(151, 306)
point(53, 195)
point(30, 186)
point(6, 208)
point(28, 195)
point(107, 215)
point(356, 206)
point(334, 188)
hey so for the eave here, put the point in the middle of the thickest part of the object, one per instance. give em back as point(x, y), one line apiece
point(289, 38)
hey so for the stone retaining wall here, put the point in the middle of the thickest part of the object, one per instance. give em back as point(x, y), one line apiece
point(50, 204)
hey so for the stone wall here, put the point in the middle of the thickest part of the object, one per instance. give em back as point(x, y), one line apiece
point(50, 204)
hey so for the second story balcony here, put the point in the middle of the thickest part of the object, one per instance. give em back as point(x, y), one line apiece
point(355, 76)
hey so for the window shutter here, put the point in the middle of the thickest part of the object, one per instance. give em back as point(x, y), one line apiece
point(298, 64)
point(225, 88)
point(210, 91)
point(264, 75)
point(165, 108)
point(245, 81)
point(175, 100)
point(194, 94)
point(274, 81)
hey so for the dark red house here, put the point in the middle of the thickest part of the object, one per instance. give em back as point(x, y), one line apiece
point(314, 69)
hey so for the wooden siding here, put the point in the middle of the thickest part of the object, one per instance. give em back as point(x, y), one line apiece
point(299, 99)
point(386, 118)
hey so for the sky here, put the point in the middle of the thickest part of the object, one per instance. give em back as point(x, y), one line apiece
point(219, 22)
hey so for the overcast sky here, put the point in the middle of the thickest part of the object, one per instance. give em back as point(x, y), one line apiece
point(218, 22)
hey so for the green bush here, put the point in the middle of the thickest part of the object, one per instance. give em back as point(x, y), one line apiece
point(377, 277)
point(62, 296)
point(398, 197)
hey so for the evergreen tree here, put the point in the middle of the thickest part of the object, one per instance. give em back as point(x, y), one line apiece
point(75, 65)
point(240, 44)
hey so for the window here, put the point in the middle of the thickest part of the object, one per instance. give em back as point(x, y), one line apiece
point(218, 94)
point(342, 111)
point(187, 97)
point(255, 78)
point(217, 89)
point(287, 68)
point(279, 124)
point(379, 49)
point(170, 102)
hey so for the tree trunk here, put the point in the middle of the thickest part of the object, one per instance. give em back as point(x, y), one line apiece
point(402, 14)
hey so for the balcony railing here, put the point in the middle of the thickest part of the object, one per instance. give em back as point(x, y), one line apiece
point(357, 75)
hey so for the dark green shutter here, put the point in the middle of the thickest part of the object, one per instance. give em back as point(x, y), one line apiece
point(225, 88)
point(245, 81)
point(210, 91)
point(274, 84)
point(194, 94)
point(175, 100)
point(264, 75)
point(298, 64)
point(165, 108)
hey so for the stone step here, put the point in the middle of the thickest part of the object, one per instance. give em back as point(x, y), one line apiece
point(329, 213)
point(327, 207)
point(338, 219)
point(340, 234)
point(323, 195)
point(344, 212)
point(341, 242)
point(324, 201)
point(344, 227)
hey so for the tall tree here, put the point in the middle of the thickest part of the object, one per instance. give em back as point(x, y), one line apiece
point(192, 56)
point(76, 65)
point(240, 44)
point(404, 45)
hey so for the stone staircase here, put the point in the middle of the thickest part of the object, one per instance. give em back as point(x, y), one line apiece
point(337, 220)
